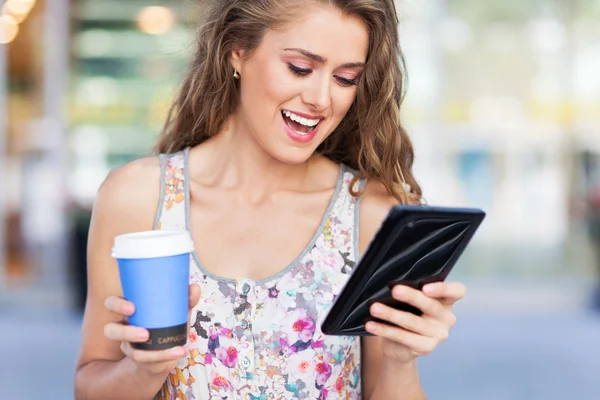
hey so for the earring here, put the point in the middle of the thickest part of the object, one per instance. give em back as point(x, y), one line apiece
point(235, 74)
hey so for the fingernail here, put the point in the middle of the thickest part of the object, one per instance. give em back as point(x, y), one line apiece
point(398, 292)
point(370, 327)
point(142, 334)
point(127, 309)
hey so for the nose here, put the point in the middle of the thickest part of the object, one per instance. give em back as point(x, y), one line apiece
point(318, 94)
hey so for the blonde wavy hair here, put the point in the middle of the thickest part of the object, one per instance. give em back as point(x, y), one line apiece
point(370, 139)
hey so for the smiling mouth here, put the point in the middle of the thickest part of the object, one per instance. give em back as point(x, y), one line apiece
point(300, 125)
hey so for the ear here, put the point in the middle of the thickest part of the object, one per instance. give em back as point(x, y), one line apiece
point(237, 56)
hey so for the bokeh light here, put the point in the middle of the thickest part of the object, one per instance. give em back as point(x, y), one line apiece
point(18, 9)
point(156, 20)
point(9, 29)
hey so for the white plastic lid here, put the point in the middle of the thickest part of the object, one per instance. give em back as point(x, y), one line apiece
point(152, 244)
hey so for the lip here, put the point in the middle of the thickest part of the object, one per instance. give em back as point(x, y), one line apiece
point(295, 136)
point(307, 116)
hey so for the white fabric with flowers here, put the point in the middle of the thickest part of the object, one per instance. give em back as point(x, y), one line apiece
point(260, 340)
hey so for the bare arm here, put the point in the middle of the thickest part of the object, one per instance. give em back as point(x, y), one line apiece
point(381, 380)
point(126, 202)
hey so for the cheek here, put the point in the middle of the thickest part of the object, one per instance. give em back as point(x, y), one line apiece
point(271, 86)
point(342, 100)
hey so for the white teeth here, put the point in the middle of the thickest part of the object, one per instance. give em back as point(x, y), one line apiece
point(306, 122)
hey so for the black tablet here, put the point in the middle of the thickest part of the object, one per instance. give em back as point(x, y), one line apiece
point(414, 246)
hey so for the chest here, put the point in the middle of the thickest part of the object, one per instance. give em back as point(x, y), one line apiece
point(234, 241)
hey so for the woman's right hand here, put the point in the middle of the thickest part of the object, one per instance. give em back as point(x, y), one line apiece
point(154, 362)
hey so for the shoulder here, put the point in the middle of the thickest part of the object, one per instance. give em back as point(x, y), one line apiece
point(375, 204)
point(131, 192)
point(132, 181)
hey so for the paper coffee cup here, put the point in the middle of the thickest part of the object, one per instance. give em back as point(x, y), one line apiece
point(154, 271)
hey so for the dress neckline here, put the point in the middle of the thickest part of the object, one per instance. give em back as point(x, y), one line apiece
point(291, 265)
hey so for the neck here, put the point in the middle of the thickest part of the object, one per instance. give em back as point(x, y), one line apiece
point(234, 160)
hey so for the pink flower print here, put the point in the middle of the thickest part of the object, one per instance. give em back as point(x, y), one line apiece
point(285, 349)
point(339, 383)
point(301, 365)
point(305, 328)
point(297, 328)
point(323, 373)
point(227, 356)
point(192, 336)
point(220, 330)
point(215, 332)
point(222, 382)
point(208, 358)
point(333, 260)
point(276, 302)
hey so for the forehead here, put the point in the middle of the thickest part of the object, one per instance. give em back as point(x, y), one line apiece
point(323, 30)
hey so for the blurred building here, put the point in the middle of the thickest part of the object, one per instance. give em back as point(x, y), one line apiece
point(87, 86)
point(503, 106)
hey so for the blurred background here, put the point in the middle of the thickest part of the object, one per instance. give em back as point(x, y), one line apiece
point(503, 106)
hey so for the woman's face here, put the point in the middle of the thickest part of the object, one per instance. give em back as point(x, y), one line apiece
point(300, 82)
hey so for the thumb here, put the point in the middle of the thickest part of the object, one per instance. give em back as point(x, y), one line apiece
point(194, 294)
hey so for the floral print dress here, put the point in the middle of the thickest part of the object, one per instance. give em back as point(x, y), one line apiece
point(261, 340)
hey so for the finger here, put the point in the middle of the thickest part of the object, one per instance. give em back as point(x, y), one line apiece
point(153, 356)
point(419, 344)
point(194, 293)
point(448, 292)
point(417, 299)
point(406, 320)
point(126, 333)
point(119, 305)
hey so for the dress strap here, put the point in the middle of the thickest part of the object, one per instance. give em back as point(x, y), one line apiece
point(346, 212)
point(171, 212)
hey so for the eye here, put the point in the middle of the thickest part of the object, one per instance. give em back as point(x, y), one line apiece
point(300, 72)
point(346, 82)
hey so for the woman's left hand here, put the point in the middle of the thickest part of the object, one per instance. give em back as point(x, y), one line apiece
point(412, 336)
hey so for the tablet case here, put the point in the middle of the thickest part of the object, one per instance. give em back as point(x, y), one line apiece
point(414, 246)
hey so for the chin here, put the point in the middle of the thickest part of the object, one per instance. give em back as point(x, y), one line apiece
point(290, 147)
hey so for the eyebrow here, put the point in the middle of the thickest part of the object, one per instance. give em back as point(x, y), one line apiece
point(322, 60)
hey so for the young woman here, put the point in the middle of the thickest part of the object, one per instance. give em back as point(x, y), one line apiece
point(284, 140)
